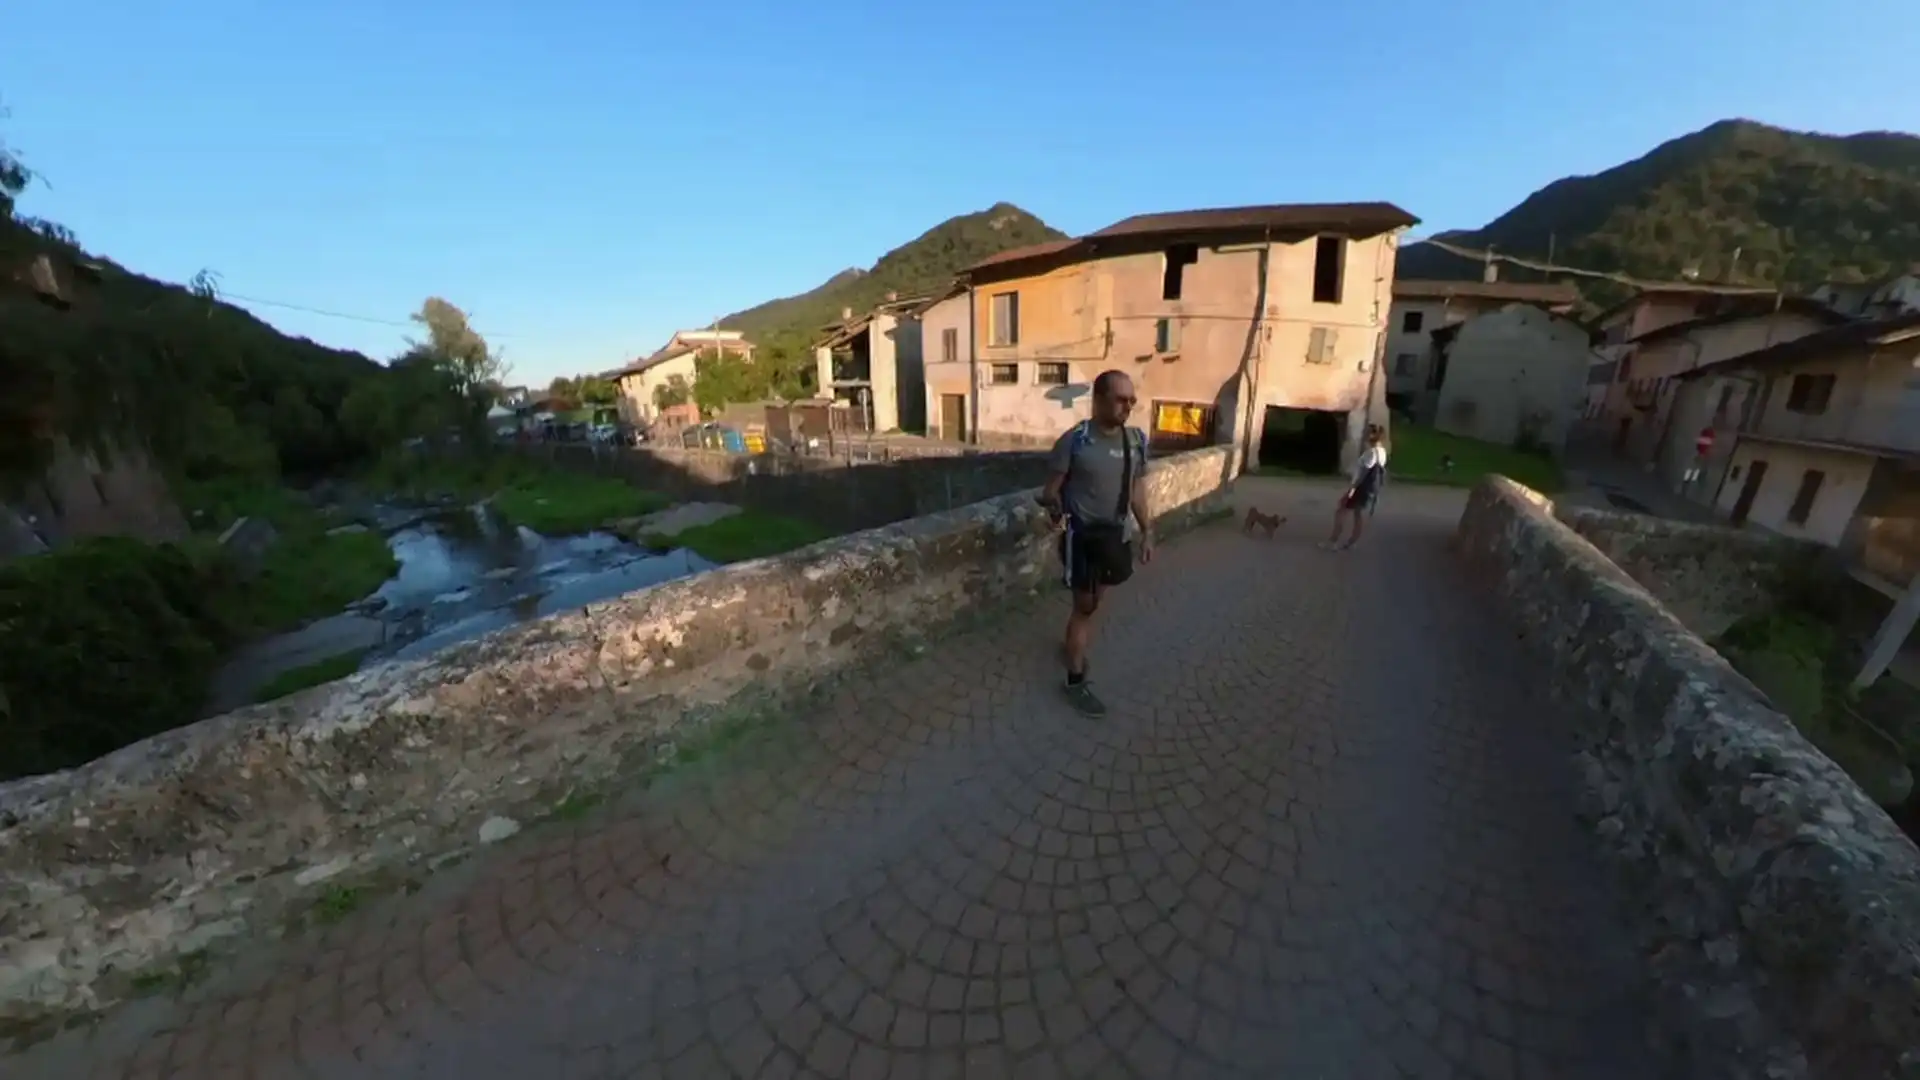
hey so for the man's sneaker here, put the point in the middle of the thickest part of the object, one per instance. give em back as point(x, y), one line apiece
point(1080, 696)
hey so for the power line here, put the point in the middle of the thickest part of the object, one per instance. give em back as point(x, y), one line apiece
point(369, 319)
point(1551, 267)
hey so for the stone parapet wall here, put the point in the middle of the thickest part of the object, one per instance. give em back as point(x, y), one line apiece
point(1709, 576)
point(1779, 908)
point(230, 826)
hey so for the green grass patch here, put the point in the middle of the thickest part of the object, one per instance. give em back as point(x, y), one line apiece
point(309, 574)
point(576, 805)
point(560, 503)
point(546, 499)
point(315, 674)
point(749, 534)
point(1418, 456)
point(1804, 667)
point(337, 903)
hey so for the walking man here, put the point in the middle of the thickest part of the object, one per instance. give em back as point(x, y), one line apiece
point(1094, 487)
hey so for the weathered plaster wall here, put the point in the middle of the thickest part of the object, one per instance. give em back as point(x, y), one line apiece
point(1779, 909)
point(226, 827)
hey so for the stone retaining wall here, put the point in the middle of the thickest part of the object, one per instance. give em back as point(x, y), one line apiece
point(1709, 576)
point(229, 826)
point(1779, 908)
point(828, 492)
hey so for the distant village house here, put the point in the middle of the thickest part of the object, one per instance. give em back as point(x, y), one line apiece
point(1829, 449)
point(672, 368)
point(871, 362)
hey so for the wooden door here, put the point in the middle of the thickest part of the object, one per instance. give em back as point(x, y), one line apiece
point(953, 417)
point(1756, 473)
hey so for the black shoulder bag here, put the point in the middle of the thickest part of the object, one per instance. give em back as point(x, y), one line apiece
point(1107, 549)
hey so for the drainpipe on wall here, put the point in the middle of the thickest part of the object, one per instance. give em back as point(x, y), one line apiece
point(1250, 382)
point(973, 373)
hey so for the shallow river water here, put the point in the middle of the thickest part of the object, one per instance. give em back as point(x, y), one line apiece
point(463, 572)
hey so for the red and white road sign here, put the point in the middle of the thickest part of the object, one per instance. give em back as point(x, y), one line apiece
point(1704, 444)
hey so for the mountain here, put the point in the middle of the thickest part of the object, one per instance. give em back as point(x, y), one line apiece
point(921, 265)
point(95, 352)
point(1798, 207)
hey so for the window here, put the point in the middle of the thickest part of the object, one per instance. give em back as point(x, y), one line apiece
point(1166, 336)
point(1809, 393)
point(950, 345)
point(1181, 425)
point(1403, 364)
point(1321, 343)
point(1179, 257)
point(1051, 374)
point(1004, 374)
point(1004, 313)
point(1412, 321)
point(1329, 267)
point(1802, 507)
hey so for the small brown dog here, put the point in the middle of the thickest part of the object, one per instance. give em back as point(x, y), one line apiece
point(1256, 519)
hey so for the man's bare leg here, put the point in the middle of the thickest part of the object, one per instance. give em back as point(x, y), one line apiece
point(1079, 635)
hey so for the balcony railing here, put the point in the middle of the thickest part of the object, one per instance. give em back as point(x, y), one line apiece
point(1893, 427)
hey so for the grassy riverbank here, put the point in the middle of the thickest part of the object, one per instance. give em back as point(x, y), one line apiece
point(749, 534)
point(107, 641)
point(547, 500)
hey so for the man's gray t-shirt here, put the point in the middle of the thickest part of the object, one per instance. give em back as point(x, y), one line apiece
point(1095, 463)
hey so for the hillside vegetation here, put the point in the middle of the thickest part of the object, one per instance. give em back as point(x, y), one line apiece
point(920, 265)
point(1799, 208)
point(107, 640)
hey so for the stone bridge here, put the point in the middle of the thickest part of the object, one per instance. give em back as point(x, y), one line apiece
point(1330, 828)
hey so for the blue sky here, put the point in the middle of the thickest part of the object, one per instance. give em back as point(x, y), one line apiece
point(585, 176)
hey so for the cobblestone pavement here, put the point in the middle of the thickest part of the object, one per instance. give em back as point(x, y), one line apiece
point(1325, 832)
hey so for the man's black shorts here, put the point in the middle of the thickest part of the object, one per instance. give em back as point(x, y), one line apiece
point(1098, 555)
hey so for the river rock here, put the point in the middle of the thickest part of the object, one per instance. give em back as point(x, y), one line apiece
point(671, 522)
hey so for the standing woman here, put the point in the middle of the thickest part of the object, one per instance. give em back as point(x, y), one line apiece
point(1369, 473)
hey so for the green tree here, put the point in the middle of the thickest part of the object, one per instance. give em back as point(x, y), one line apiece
point(722, 378)
point(594, 390)
point(672, 393)
point(455, 344)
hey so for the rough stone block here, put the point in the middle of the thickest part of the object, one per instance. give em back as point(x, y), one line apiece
point(1778, 906)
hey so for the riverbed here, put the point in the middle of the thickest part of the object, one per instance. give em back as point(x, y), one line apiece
point(463, 572)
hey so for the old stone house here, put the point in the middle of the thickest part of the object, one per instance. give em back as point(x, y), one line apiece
point(1423, 308)
point(1516, 377)
point(1257, 323)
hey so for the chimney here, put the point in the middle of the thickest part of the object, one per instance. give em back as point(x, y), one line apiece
point(846, 313)
point(1491, 274)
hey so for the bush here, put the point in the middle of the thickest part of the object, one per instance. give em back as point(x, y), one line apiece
point(102, 643)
